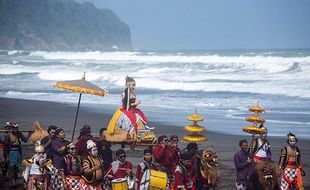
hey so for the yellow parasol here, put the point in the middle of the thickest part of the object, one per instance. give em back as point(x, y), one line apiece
point(80, 86)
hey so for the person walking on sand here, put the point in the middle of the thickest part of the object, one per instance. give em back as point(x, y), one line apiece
point(104, 149)
point(120, 168)
point(4, 149)
point(37, 169)
point(93, 172)
point(59, 150)
point(81, 144)
point(15, 153)
point(143, 166)
point(71, 169)
point(46, 142)
point(260, 147)
point(242, 163)
point(162, 156)
point(290, 166)
point(183, 173)
point(175, 152)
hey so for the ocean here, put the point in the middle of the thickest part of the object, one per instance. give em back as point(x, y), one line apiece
point(220, 84)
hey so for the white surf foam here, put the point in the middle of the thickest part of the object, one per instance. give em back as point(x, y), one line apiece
point(138, 57)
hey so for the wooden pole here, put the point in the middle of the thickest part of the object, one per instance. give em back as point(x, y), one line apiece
point(76, 116)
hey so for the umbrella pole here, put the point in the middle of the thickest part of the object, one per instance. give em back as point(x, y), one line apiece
point(76, 116)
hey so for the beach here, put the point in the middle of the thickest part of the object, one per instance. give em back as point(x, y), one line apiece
point(26, 112)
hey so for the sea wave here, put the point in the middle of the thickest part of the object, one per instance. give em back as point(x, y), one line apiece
point(140, 57)
point(269, 75)
point(275, 121)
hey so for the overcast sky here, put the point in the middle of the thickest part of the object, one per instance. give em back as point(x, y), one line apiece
point(216, 24)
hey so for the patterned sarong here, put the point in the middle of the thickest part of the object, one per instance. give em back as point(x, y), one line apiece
point(290, 177)
point(73, 182)
point(87, 186)
point(56, 181)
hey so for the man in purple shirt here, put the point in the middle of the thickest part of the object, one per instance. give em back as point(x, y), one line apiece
point(242, 164)
point(59, 148)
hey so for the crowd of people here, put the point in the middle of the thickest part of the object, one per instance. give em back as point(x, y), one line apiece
point(255, 169)
point(90, 163)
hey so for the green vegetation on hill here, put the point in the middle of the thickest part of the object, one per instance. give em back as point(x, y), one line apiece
point(56, 25)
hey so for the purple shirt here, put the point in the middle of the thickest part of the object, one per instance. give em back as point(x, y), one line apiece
point(58, 156)
point(242, 167)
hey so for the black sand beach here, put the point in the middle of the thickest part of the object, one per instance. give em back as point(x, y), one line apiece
point(26, 112)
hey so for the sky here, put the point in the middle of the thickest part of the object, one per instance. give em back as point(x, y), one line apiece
point(216, 24)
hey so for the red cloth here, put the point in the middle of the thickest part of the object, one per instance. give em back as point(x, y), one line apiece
point(140, 171)
point(183, 178)
point(132, 116)
point(162, 156)
point(121, 171)
point(81, 146)
point(175, 156)
point(291, 163)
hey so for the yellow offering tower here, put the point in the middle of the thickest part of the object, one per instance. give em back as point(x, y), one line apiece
point(255, 119)
point(195, 129)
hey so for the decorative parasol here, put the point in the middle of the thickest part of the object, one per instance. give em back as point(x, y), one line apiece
point(80, 86)
point(255, 119)
point(195, 129)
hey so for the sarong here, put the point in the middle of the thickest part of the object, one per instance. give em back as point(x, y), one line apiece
point(56, 182)
point(73, 182)
point(15, 158)
point(291, 177)
point(87, 186)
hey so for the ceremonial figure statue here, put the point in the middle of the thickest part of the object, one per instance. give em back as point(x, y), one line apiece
point(128, 119)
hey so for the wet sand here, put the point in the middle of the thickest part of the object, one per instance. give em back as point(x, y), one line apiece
point(26, 112)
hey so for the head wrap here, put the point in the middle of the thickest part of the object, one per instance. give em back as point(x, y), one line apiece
point(264, 129)
point(86, 128)
point(145, 151)
point(38, 147)
point(191, 146)
point(186, 156)
point(173, 137)
point(291, 136)
point(90, 144)
point(161, 138)
point(120, 152)
point(10, 124)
